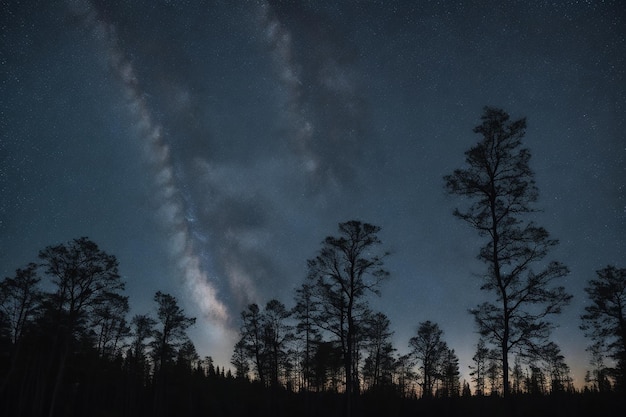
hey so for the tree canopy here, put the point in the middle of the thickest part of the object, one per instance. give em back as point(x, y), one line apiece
point(500, 187)
point(604, 320)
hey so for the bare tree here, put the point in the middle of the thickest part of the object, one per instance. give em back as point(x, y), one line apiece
point(500, 187)
point(346, 269)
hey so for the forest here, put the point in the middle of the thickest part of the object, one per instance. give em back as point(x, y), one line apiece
point(69, 348)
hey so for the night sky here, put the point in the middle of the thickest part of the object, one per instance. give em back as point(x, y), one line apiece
point(211, 146)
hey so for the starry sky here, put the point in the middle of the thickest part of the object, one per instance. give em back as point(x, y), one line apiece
point(212, 145)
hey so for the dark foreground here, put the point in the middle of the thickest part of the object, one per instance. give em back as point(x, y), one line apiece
point(234, 398)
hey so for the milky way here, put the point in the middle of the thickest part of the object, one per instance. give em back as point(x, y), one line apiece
point(171, 207)
point(210, 218)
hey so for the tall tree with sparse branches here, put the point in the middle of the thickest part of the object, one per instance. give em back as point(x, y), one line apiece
point(346, 269)
point(500, 188)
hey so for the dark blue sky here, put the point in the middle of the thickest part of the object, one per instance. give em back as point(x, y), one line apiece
point(211, 146)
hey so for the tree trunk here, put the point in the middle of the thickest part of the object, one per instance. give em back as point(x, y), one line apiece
point(59, 379)
point(348, 366)
point(14, 358)
point(505, 370)
point(501, 286)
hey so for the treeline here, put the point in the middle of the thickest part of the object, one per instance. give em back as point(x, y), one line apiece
point(331, 341)
point(305, 347)
point(337, 343)
point(68, 347)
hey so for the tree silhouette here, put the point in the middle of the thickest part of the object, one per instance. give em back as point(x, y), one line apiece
point(535, 381)
point(187, 356)
point(379, 365)
point(239, 360)
point(137, 360)
point(85, 279)
point(20, 297)
point(517, 374)
point(493, 372)
point(501, 189)
point(306, 330)
point(598, 378)
point(264, 341)
point(168, 336)
point(277, 334)
point(142, 331)
point(151, 367)
point(345, 270)
point(604, 320)
point(110, 324)
point(326, 365)
point(253, 341)
point(405, 375)
point(171, 331)
point(450, 383)
point(479, 369)
point(557, 369)
point(428, 348)
point(466, 390)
